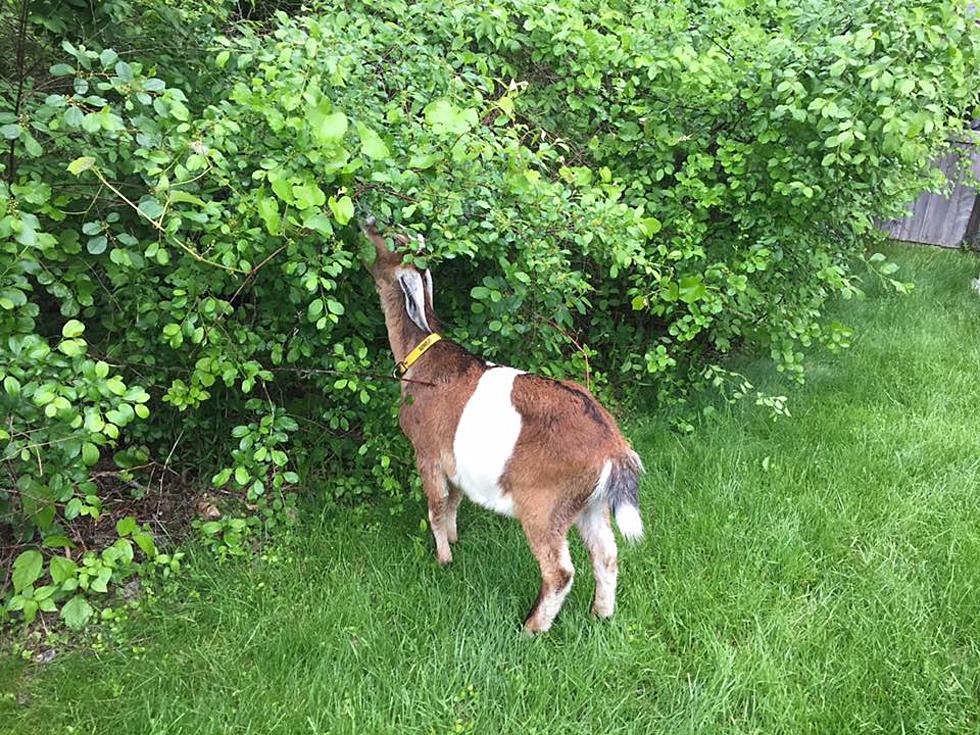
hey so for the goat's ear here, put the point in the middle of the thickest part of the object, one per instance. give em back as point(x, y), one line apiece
point(410, 281)
point(428, 286)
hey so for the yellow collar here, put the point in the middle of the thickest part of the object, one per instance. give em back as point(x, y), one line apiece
point(402, 367)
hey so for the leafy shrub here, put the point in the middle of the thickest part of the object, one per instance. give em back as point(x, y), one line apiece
point(620, 190)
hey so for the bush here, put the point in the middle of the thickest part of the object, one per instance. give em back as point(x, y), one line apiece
point(626, 191)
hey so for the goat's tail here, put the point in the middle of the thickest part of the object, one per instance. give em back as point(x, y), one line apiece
point(621, 491)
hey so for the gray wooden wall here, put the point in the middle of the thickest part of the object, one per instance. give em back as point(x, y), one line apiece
point(944, 220)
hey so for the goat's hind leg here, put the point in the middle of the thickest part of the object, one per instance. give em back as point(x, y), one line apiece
point(551, 550)
point(597, 535)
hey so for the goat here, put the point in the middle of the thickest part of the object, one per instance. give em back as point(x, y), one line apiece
point(540, 450)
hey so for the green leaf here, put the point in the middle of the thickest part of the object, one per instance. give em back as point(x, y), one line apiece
point(31, 145)
point(125, 526)
point(343, 209)
point(125, 548)
point(76, 612)
point(93, 421)
point(80, 164)
point(72, 347)
point(101, 581)
point(372, 145)
point(97, 245)
point(650, 226)
point(422, 161)
point(179, 111)
point(327, 127)
point(124, 71)
point(62, 569)
point(44, 395)
point(90, 454)
point(185, 197)
point(446, 119)
point(27, 569)
point(72, 328)
point(29, 607)
point(308, 196)
point(11, 131)
point(57, 541)
point(151, 208)
point(73, 118)
point(269, 212)
point(691, 289)
point(145, 541)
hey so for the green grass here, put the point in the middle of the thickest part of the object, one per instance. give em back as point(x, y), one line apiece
point(836, 591)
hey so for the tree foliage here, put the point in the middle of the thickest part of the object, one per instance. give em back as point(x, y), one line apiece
point(628, 189)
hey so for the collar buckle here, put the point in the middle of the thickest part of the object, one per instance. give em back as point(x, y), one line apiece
point(402, 366)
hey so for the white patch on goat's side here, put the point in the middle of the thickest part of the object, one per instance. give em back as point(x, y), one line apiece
point(485, 439)
point(411, 282)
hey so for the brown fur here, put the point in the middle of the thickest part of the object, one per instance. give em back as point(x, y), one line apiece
point(566, 437)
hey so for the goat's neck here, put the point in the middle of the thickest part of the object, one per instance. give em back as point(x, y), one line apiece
point(403, 334)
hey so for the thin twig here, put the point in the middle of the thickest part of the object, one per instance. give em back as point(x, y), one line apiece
point(585, 355)
point(21, 43)
point(189, 250)
point(251, 275)
point(367, 187)
point(348, 373)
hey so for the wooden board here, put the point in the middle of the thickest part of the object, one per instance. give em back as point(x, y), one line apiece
point(943, 220)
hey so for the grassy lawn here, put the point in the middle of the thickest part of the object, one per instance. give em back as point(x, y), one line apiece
point(817, 574)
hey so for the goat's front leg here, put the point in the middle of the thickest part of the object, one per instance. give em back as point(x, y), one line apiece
point(437, 493)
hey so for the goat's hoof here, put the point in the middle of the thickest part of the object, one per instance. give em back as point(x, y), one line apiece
point(531, 630)
point(444, 561)
point(602, 613)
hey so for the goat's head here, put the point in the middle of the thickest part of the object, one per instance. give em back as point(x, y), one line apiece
point(392, 275)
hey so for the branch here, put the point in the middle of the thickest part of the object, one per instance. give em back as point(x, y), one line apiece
point(187, 248)
point(21, 38)
point(251, 275)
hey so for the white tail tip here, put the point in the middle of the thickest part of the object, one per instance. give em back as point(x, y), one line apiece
point(629, 522)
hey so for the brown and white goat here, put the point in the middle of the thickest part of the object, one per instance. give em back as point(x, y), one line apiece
point(541, 450)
